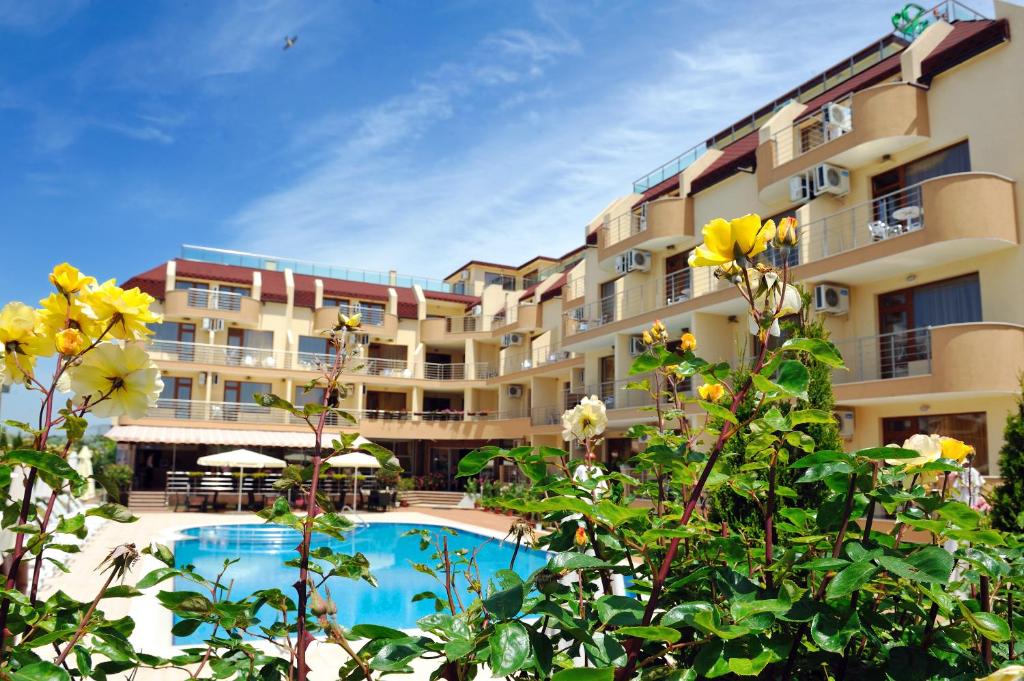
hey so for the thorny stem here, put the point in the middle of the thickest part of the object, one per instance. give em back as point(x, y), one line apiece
point(986, 606)
point(85, 619)
point(769, 523)
point(302, 583)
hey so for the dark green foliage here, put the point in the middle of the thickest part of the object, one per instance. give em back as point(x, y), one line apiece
point(1008, 500)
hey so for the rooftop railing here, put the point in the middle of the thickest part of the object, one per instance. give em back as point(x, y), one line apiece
point(670, 168)
point(269, 262)
point(464, 324)
point(898, 354)
point(623, 226)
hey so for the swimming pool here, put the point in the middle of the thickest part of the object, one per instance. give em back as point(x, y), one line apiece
point(264, 548)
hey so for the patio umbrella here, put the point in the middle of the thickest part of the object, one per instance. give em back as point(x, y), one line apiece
point(240, 459)
point(355, 460)
point(84, 468)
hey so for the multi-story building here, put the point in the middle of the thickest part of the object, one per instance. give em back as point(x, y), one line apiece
point(902, 163)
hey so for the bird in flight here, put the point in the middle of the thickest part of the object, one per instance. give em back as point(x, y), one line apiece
point(289, 41)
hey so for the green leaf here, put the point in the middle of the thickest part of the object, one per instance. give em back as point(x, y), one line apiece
point(930, 564)
point(156, 576)
point(506, 604)
point(474, 462)
point(794, 378)
point(718, 411)
point(510, 646)
point(644, 363)
point(115, 512)
point(831, 632)
point(666, 634)
point(375, 631)
point(605, 650)
point(821, 350)
point(458, 648)
point(988, 624)
point(743, 666)
point(880, 453)
point(573, 560)
point(850, 578)
point(619, 610)
point(185, 601)
point(585, 674)
point(960, 514)
point(801, 416)
point(45, 462)
point(40, 671)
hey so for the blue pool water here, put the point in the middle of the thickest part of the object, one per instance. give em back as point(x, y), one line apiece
point(264, 548)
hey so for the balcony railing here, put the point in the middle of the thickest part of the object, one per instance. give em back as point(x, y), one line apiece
point(465, 324)
point(260, 358)
point(898, 354)
point(667, 170)
point(236, 412)
point(535, 357)
point(372, 316)
point(575, 288)
point(812, 131)
point(205, 299)
point(623, 226)
point(678, 286)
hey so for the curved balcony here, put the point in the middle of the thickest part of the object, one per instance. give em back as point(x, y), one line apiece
point(970, 360)
point(442, 329)
point(373, 322)
point(196, 303)
point(521, 318)
point(655, 226)
point(884, 119)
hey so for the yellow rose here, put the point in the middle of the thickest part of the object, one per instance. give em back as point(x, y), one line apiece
point(646, 337)
point(1014, 672)
point(70, 341)
point(117, 380)
point(711, 392)
point(127, 312)
point(737, 239)
point(955, 449)
point(688, 342)
point(55, 315)
point(348, 322)
point(927, 446)
point(22, 341)
point(68, 279)
point(787, 233)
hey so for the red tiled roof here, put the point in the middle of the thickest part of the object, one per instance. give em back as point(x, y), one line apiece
point(451, 297)
point(660, 189)
point(233, 274)
point(739, 153)
point(966, 40)
point(151, 281)
point(555, 288)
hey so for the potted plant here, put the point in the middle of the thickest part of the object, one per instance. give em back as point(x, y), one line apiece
point(405, 485)
point(116, 479)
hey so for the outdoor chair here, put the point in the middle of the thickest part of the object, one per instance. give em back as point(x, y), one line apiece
point(196, 503)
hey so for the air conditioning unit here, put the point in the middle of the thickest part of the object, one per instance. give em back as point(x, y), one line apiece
point(831, 299)
point(636, 346)
point(631, 260)
point(464, 275)
point(361, 338)
point(838, 120)
point(514, 391)
point(477, 310)
point(799, 188)
point(846, 423)
point(512, 339)
point(211, 324)
point(830, 179)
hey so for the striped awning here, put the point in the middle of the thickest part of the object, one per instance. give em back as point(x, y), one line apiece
point(211, 436)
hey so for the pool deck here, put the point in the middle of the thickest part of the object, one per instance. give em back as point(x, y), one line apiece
point(152, 633)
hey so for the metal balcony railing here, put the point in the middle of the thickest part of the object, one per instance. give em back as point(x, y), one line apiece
point(678, 286)
point(670, 168)
point(237, 412)
point(533, 358)
point(371, 316)
point(205, 299)
point(465, 324)
point(445, 372)
point(889, 355)
point(622, 226)
point(832, 122)
point(575, 288)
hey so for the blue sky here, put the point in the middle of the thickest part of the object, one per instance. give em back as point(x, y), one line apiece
point(395, 134)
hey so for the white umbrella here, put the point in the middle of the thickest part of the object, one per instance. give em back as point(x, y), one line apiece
point(240, 459)
point(84, 468)
point(355, 460)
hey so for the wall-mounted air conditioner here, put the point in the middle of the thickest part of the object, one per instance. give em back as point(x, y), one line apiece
point(464, 275)
point(846, 423)
point(830, 179)
point(633, 260)
point(514, 391)
point(799, 188)
point(831, 299)
point(636, 346)
point(838, 120)
point(512, 339)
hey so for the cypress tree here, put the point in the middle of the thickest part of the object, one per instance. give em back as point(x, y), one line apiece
point(1008, 500)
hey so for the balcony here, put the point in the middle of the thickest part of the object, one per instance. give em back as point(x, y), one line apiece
point(447, 329)
point(374, 321)
point(542, 356)
point(944, 219)
point(518, 318)
point(371, 422)
point(194, 303)
point(260, 360)
point(968, 359)
point(883, 119)
point(574, 290)
point(657, 225)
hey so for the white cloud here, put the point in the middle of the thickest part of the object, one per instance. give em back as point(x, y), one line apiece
point(37, 16)
point(530, 184)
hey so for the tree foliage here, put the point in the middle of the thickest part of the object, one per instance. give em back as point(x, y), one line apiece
point(1008, 500)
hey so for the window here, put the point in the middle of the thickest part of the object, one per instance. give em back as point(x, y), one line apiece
point(608, 301)
point(887, 188)
point(336, 302)
point(179, 390)
point(904, 316)
point(243, 392)
point(313, 348)
point(606, 376)
point(506, 281)
point(677, 278)
point(531, 279)
point(970, 427)
point(459, 287)
point(176, 339)
point(180, 285)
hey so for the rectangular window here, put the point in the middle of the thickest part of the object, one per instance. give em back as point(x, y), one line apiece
point(969, 427)
point(895, 202)
point(677, 278)
point(177, 339)
point(371, 313)
point(314, 348)
point(180, 285)
point(506, 281)
point(608, 301)
point(243, 392)
point(905, 315)
point(336, 302)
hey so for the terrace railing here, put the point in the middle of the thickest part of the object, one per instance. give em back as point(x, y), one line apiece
point(534, 357)
point(810, 132)
point(898, 354)
point(205, 299)
point(622, 226)
point(465, 324)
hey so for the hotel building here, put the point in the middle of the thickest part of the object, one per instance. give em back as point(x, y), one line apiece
point(902, 163)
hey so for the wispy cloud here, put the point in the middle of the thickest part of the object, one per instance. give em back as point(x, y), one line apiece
point(37, 16)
